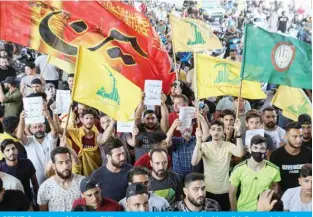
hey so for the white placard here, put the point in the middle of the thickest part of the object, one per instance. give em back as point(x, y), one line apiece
point(125, 127)
point(186, 114)
point(274, 135)
point(63, 101)
point(33, 110)
point(153, 90)
point(250, 134)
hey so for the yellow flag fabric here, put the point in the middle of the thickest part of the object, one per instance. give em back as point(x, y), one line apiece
point(192, 35)
point(292, 101)
point(97, 85)
point(62, 64)
point(220, 77)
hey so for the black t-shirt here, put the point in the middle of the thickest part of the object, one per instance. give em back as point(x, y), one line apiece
point(282, 23)
point(23, 171)
point(307, 144)
point(290, 165)
point(6, 73)
point(14, 200)
point(169, 188)
point(113, 185)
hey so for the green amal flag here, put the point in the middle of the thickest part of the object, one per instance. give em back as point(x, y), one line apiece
point(274, 58)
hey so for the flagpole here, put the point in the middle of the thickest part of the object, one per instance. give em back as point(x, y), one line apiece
point(239, 98)
point(196, 87)
point(173, 47)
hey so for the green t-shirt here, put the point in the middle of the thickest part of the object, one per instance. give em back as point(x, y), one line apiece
point(253, 183)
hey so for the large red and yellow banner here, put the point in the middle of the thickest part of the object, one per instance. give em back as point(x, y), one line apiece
point(120, 34)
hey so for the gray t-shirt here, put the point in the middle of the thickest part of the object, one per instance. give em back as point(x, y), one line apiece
point(27, 80)
point(113, 185)
point(57, 198)
point(156, 203)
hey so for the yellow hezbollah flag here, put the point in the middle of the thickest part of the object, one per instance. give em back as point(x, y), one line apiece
point(292, 101)
point(192, 35)
point(219, 77)
point(97, 85)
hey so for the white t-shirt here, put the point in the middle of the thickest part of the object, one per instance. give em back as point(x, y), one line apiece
point(10, 182)
point(27, 82)
point(57, 198)
point(39, 154)
point(277, 136)
point(292, 200)
point(50, 72)
point(156, 203)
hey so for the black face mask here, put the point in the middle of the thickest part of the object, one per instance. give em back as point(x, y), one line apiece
point(257, 156)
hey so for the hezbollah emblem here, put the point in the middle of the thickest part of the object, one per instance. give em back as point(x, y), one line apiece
point(283, 55)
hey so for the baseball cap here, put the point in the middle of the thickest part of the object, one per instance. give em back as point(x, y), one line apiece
point(304, 119)
point(10, 80)
point(136, 189)
point(88, 183)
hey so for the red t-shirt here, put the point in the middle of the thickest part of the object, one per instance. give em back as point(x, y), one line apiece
point(107, 204)
point(172, 117)
point(144, 161)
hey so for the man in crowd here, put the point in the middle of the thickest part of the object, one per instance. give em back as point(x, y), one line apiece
point(59, 192)
point(70, 81)
point(182, 147)
point(137, 198)
point(228, 103)
point(254, 175)
point(282, 22)
point(195, 196)
point(291, 157)
point(233, 56)
point(164, 182)
point(228, 118)
point(300, 198)
point(13, 200)
point(49, 72)
point(84, 142)
point(216, 156)
point(12, 100)
point(141, 175)
point(25, 85)
point(269, 117)
point(5, 69)
point(306, 125)
point(20, 168)
point(149, 125)
point(40, 144)
point(112, 177)
point(91, 196)
point(37, 86)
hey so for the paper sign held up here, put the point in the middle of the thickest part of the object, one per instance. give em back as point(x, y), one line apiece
point(33, 110)
point(252, 133)
point(186, 114)
point(153, 90)
point(125, 127)
point(63, 101)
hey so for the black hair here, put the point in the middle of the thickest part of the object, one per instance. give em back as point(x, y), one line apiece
point(10, 123)
point(30, 65)
point(269, 109)
point(159, 150)
point(89, 111)
point(111, 144)
point(148, 112)
point(39, 94)
point(137, 170)
point(1, 184)
point(5, 143)
point(253, 114)
point(228, 112)
point(279, 206)
point(191, 177)
point(2, 110)
point(292, 125)
point(218, 123)
point(70, 75)
point(231, 50)
point(59, 150)
point(258, 139)
point(306, 170)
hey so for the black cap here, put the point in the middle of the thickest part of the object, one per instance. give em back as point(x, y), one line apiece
point(36, 81)
point(87, 184)
point(10, 80)
point(304, 119)
point(136, 189)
